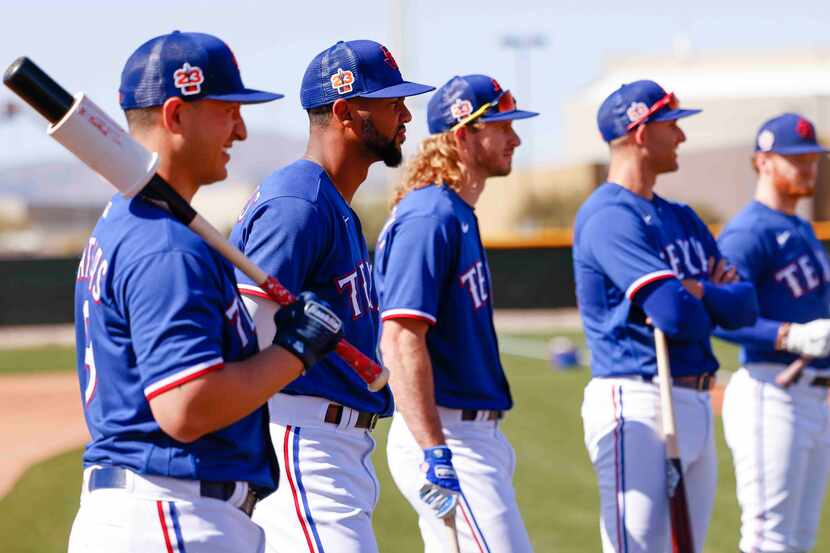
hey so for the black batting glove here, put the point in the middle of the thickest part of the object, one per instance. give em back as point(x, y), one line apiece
point(308, 328)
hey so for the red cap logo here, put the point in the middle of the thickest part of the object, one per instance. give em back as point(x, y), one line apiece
point(805, 129)
point(387, 57)
point(189, 79)
point(496, 85)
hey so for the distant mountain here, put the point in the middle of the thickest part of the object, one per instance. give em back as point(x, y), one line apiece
point(72, 183)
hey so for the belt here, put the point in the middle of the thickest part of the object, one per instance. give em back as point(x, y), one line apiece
point(116, 478)
point(483, 414)
point(701, 382)
point(334, 414)
point(818, 381)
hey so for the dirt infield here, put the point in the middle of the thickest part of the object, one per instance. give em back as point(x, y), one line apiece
point(40, 416)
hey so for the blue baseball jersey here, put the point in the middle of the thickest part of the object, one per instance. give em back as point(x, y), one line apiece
point(298, 228)
point(156, 307)
point(781, 255)
point(430, 265)
point(622, 243)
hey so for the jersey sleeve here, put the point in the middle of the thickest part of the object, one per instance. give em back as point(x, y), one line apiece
point(174, 303)
point(626, 248)
point(285, 237)
point(415, 264)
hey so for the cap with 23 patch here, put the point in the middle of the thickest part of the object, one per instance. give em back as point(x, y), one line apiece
point(357, 68)
point(186, 65)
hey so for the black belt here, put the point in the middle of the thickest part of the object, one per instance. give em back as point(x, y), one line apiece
point(116, 478)
point(823, 381)
point(334, 414)
point(485, 414)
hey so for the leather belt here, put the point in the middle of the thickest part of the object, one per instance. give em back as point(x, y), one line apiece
point(485, 414)
point(334, 414)
point(116, 478)
point(701, 382)
point(822, 381)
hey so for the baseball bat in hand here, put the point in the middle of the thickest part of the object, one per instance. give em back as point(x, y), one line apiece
point(681, 528)
point(792, 373)
point(88, 132)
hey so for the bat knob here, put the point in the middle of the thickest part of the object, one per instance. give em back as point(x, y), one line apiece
point(38, 89)
point(380, 381)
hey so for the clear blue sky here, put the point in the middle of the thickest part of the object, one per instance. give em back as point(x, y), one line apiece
point(84, 44)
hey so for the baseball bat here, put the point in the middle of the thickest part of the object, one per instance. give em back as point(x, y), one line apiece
point(452, 533)
point(792, 373)
point(88, 132)
point(681, 528)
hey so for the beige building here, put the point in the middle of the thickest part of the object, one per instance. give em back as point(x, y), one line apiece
point(736, 90)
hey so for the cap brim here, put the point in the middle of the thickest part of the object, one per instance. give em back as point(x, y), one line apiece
point(510, 115)
point(246, 96)
point(796, 150)
point(673, 114)
point(399, 91)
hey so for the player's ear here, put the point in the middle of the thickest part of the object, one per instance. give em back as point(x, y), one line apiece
point(460, 134)
point(171, 114)
point(341, 110)
point(639, 135)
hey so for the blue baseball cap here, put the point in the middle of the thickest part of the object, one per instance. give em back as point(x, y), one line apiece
point(788, 134)
point(355, 68)
point(187, 65)
point(471, 97)
point(634, 104)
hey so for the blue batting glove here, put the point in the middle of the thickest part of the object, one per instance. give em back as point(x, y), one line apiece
point(440, 491)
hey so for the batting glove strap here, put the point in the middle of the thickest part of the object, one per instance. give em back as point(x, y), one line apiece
point(811, 339)
point(308, 328)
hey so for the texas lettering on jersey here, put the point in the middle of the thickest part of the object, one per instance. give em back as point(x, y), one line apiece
point(687, 257)
point(474, 281)
point(802, 276)
point(357, 285)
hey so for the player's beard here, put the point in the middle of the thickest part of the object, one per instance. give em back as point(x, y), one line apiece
point(384, 148)
point(797, 187)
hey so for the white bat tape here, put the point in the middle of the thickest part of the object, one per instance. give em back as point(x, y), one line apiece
point(89, 133)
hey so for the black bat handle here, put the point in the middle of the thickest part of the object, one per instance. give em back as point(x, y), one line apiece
point(38, 89)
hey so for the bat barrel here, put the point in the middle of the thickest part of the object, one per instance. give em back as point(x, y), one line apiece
point(38, 89)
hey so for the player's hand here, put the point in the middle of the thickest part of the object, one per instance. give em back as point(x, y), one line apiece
point(308, 328)
point(722, 272)
point(693, 286)
point(811, 339)
point(440, 491)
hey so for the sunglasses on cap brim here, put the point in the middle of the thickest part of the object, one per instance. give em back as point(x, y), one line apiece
point(669, 100)
point(503, 104)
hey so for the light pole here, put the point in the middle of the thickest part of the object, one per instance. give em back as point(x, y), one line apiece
point(522, 44)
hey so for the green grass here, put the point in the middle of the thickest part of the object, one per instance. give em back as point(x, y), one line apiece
point(37, 360)
point(555, 483)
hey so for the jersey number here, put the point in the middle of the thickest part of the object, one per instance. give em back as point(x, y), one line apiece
point(89, 358)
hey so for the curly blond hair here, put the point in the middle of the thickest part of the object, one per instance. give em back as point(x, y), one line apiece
point(437, 161)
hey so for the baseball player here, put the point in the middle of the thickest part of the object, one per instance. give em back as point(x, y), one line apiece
point(640, 262)
point(445, 448)
point(299, 226)
point(172, 386)
point(780, 436)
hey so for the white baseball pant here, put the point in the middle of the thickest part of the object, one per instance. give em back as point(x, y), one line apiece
point(780, 442)
point(487, 516)
point(328, 487)
point(622, 420)
point(156, 513)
